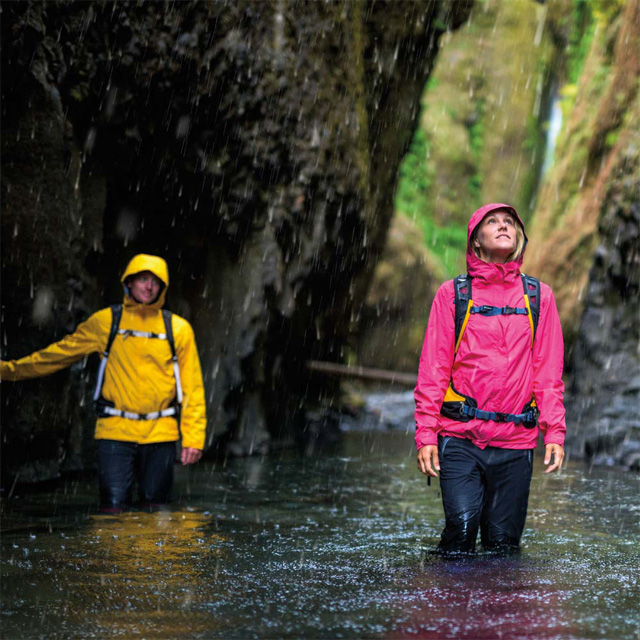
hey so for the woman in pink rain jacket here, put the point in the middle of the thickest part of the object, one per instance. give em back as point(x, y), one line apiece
point(484, 449)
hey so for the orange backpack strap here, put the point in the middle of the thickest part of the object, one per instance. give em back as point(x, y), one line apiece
point(531, 288)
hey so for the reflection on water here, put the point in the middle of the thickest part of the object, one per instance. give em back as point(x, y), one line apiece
point(329, 546)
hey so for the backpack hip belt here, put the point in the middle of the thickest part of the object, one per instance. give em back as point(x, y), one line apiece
point(461, 408)
point(106, 411)
point(105, 408)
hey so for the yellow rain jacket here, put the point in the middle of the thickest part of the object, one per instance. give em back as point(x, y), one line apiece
point(139, 375)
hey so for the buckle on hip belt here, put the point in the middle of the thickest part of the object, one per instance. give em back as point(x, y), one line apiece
point(500, 417)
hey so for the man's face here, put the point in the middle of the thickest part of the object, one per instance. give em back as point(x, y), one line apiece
point(144, 287)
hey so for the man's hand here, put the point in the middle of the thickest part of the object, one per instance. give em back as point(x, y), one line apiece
point(553, 452)
point(190, 455)
point(428, 461)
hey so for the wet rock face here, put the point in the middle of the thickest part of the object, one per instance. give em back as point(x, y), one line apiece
point(606, 366)
point(585, 231)
point(253, 145)
point(48, 227)
point(394, 316)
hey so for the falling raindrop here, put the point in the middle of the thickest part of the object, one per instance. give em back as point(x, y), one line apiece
point(182, 127)
point(127, 225)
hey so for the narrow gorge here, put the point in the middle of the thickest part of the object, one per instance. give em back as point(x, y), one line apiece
point(307, 170)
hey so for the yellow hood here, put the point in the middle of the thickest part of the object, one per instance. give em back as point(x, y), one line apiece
point(157, 266)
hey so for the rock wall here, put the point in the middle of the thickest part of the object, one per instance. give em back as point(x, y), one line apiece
point(393, 318)
point(585, 236)
point(254, 145)
point(605, 387)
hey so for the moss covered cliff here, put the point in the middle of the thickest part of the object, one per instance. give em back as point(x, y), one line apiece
point(587, 227)
point(480, 139)
point(600, 111)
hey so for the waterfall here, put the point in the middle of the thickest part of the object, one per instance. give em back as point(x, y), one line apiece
point(553, 129)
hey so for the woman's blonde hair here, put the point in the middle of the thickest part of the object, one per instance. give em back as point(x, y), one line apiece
point(520, 238)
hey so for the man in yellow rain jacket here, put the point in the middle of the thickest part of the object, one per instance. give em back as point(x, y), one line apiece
point(147, 397)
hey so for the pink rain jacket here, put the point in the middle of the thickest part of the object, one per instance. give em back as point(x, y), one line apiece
point(495, 363)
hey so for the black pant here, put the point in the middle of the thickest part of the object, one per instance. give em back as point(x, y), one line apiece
point(120, 463)
point(486, 489)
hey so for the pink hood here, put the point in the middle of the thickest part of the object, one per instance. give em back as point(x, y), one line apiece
point(477, 268)
point(495, 363)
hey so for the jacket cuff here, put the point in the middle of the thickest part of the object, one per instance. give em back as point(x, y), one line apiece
point(426, 436)
point(7, 370)
point(193, 443)
point(554, 438)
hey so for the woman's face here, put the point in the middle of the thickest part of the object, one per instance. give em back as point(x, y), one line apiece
point(495, 236)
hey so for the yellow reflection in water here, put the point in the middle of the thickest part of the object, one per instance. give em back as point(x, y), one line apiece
point(160, 564)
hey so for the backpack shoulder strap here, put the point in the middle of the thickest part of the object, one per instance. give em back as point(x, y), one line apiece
point(116, 316)
point(463, 302)
point(166, 317)
point(531, 288)
point(168, 328)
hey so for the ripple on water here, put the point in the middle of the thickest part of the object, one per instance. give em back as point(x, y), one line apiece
point(336, 546)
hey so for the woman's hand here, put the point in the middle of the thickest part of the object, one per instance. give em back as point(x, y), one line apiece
point(428, 461)
point(556, 452)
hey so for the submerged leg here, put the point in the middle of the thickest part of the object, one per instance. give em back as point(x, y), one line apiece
point(508, 477)
point(462, 487)
point(155, 472)
point(116, 462)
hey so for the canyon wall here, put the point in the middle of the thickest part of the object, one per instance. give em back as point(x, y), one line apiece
point(585, 234)
point(255, 146)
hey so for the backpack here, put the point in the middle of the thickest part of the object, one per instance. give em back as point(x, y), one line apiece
point(461, 408)
point(105, 408)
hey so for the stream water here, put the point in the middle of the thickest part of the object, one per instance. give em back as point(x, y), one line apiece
point(331, 546)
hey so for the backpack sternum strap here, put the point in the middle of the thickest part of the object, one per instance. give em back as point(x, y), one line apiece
point(488, 310)
point(125, 333)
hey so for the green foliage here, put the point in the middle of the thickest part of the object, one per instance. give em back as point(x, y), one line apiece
point(476, 144)
point(586, 17)
point(592, 29)
point(581, 29)
point(612, 138)
point(432, 83)
point(483, 133)
point(412, 197)
point(447, 244)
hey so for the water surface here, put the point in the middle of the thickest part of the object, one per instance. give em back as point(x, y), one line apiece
point(331, 546)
